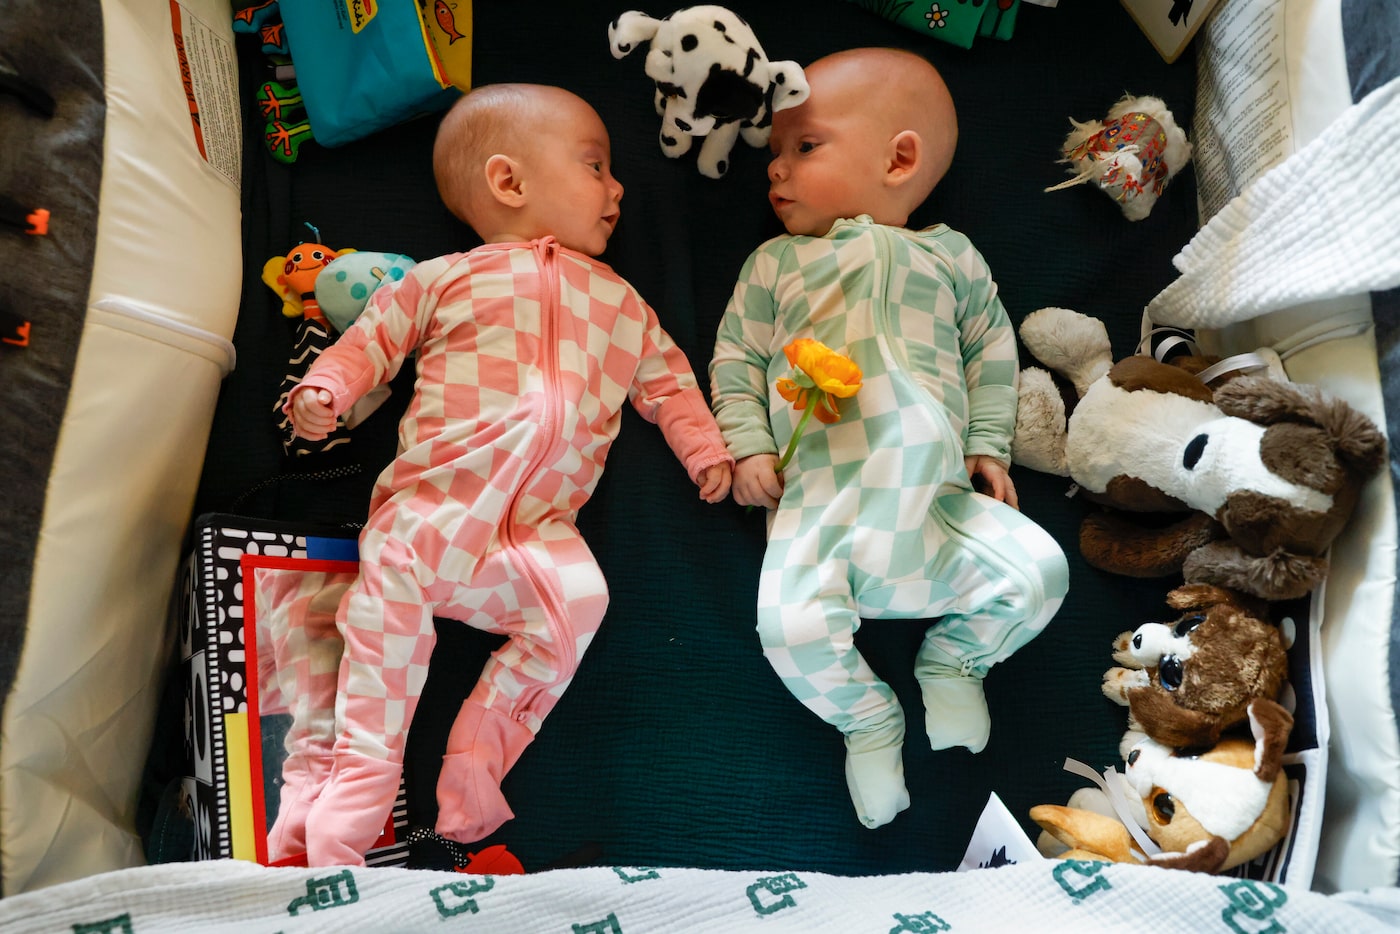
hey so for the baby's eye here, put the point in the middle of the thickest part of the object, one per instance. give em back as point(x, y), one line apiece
point(596, 166)
point(806, 146)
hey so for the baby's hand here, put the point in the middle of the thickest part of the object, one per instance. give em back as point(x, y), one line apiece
point(757, 481)
point(312, 416)
point(714, 482)
point(994, 477)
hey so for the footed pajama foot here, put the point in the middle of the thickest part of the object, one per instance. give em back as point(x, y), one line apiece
point(481, 748)
point(955, 713)
point(348, 816)
point(875, 778)
point(303, 778)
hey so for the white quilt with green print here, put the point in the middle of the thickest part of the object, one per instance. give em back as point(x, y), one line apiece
point(1047, 896)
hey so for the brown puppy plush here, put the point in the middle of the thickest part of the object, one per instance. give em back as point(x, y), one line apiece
point(1186, 682)
point(1257, 477)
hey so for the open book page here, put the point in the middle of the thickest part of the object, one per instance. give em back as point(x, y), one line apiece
point(1244, 124)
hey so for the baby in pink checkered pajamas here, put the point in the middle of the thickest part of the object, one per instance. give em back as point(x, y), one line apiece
point(527, 348)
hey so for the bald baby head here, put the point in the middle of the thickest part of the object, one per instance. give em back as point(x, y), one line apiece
point(901, 91)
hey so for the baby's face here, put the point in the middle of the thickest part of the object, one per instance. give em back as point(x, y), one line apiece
point(828, 159)
point(571, 189)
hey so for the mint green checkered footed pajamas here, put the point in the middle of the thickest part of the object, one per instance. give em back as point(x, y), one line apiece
point(878, 518)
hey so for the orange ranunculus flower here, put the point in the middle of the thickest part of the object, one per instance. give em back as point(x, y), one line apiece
point(822, 376)
point(829, 371)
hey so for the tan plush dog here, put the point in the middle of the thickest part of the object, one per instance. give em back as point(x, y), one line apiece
point(1208, 812)
point(1187, 681)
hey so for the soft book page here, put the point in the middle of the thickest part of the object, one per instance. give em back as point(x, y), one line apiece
point(1244, 122)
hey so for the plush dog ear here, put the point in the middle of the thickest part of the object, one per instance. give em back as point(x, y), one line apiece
point(1271, 725)
point(629, 30)
point(1266, 401)
point(1170, 724)
point(789, 85)
point(1279, 575)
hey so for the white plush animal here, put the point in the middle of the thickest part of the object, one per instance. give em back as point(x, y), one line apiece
point(712, 80)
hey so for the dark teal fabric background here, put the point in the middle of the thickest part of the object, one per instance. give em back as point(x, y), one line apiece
point(677, 745)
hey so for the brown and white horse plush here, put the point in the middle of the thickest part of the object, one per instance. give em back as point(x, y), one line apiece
point(1256, 478)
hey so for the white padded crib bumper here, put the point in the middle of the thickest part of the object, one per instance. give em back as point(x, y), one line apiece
point(154, 347)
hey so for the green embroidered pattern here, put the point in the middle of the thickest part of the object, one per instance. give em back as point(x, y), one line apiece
point(926, 923)
point(608, 925)
point(1255, 901)
point(636, 874)
point(454, 898)
point(335, 891)
point(121, 924)
point(782, 886)
point(1072, 873)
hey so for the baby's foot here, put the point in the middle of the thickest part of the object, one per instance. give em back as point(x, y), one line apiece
point(875, 778)
point(955, 713)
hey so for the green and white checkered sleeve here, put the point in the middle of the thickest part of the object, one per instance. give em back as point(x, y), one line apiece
point(743, 350)
point(989, 356)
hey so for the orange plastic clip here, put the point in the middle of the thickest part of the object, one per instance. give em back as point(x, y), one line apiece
point(38, 222)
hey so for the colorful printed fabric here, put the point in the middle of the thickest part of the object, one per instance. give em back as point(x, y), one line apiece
point(956, 21)
point(525, 355)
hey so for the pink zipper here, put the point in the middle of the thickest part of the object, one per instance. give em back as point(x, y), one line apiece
point(541, 454)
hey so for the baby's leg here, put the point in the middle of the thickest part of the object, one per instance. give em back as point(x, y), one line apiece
point(1010, 578)
point(809, 641)
point(548, 597)
point(386, 620)
point(297, 634)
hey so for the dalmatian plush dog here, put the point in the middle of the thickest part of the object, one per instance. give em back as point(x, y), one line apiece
point(712, 80)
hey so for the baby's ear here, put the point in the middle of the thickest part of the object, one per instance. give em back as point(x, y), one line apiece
point(906, 154)
point(504, 181)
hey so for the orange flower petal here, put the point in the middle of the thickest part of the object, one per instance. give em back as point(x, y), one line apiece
point(832, 372)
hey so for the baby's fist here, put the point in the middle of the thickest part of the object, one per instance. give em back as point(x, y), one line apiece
point(714, 482)
point(312, 415)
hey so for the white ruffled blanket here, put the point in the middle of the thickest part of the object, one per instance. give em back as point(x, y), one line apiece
point(1046, 896)
point(1323, 223)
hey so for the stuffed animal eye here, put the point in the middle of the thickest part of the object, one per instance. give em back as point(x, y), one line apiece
point(1194, 449)
point(1189, 623)
point(1169, 672)
point(1133, 756)
point(1164, 807)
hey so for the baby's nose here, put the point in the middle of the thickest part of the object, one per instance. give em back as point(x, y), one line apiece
point(775, 169)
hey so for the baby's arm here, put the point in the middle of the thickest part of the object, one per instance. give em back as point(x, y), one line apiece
point(367, 355)
point(739, 381)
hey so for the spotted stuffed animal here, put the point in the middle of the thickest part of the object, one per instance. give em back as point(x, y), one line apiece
point(712, 80)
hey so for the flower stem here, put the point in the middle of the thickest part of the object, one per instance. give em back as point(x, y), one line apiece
point(797, 432)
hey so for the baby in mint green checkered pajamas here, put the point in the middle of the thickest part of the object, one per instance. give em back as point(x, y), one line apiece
point(876, 516)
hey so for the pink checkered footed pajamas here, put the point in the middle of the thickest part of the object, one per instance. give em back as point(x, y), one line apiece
point(526, 353)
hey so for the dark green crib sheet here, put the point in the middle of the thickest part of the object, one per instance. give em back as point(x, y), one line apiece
point(676, 744)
